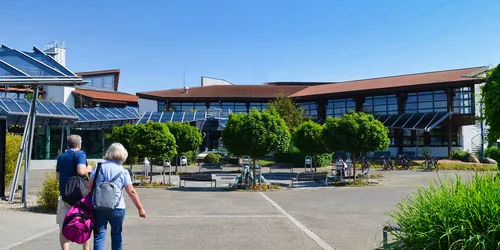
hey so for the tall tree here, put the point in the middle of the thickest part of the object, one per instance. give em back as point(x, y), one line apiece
point(308, 138)
point(355, 133)
point(289, 111)
point(155, 141)
point(490, 93)
point(125, 135)
point(256, 134)
point(187, 137)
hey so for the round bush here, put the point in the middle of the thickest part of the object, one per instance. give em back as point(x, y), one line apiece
point(459, 155)
point(461, 214)
point(493, 153)
point(49, 194)
point(12, 145)
point(213, 158)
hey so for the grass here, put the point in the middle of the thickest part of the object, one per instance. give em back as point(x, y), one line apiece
point(452, 214)
point(462, 166)
point(352, 183)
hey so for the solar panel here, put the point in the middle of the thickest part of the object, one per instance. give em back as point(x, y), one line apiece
point(166, 117)
point(88, 116)
point(145, 118)
point(81, 117)
point(199, 115)
point(130, 113)
point(117, 112)
point(41, 109)
point(63, 108)
point(177, 117)
point(24, 104)
point(107, 113)
point(188, 116)
point(414, 120)
point(12, 106)
point(97, 114)
point(51, 108)
point(155, 117)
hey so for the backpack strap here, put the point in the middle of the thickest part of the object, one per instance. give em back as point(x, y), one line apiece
point(116, 176)
point(121, 192)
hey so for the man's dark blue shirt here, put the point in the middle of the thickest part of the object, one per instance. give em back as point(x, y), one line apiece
point(66, 166)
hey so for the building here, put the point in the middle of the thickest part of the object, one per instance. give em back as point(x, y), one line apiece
point(434, 109)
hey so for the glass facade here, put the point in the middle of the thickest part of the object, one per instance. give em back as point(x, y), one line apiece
point(338, 107)
point(430, 101)
point(310, 109)
point(184, 106)
point(463, 101)
point(381, 105)
point(234, 107)
point(260, 106)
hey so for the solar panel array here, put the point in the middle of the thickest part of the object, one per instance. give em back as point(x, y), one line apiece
point(58, 114)
point(414, 121)
point(172, 117)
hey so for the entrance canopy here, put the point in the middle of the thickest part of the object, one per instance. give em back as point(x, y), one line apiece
point(47, 113)
point(414, 121)
point(104, 118)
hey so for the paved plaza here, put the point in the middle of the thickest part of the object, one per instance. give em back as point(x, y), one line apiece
point(204, 218)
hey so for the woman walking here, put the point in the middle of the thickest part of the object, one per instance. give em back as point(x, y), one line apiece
point(112, 171)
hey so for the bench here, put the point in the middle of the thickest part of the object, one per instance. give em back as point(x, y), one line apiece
point(318, 176)
point(281, 166)
point(210, 166)
point(197, 177)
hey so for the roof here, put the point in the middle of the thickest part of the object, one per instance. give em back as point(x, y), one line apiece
point(106, 96)
point(115, 72)
point(225, 91)
point(420, 79)
point(18, 68)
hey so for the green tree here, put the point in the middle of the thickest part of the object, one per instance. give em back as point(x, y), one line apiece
point(155, 141)
point(125, 135)
point(355, 133)
point(308, 138)
point(490, 93)
point(288, 110)
point(187, 137)
point(256, 134)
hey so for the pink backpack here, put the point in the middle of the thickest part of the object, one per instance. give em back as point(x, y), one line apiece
point(79, 221)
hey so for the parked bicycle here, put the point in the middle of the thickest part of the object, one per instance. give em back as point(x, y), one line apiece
point(430, 163)
point(387, 163)
point(405, 161)
point(365, 165)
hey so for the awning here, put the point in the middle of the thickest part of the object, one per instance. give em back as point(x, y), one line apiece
point(414, 121)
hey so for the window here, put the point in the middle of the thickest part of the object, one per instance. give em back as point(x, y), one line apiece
point(463, 101)
point(259, 106)
point(235, 107)
point(430, 101)
point(339, 107)
point(162, 107)
point(381, 105)
point(186, 106)
point(439, 136)
point(310, 109)
point(104, 81)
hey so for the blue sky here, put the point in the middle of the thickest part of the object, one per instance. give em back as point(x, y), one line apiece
point(254, 41)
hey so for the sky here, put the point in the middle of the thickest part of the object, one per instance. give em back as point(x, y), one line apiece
point(157, 44)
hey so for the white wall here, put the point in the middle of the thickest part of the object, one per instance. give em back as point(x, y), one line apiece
point(147, 105)
point(207, 81)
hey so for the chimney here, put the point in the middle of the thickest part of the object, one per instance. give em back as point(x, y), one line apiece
point(186, 89)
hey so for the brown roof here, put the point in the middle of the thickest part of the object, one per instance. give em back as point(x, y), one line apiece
point(419, 79)
point(106, 96)
point(116, 72)
point(226, 91)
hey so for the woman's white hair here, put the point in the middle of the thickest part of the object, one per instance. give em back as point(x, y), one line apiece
point(116, 152)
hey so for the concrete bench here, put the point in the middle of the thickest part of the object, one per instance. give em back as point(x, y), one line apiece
point(197, 177)
point(210, 166)
point(303, 177)
point(281, 166)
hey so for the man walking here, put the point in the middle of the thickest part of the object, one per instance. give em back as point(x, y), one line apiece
point(70, 163)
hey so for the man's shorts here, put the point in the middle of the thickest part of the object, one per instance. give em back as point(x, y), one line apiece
point(62, 210)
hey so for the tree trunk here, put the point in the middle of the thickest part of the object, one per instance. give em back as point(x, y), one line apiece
point(150, 173)
point(315, 163)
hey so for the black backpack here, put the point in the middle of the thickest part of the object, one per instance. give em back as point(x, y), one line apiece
point(76, 187)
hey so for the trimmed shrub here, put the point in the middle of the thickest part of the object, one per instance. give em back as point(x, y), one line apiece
point(49, 194)
point(459, 155)
point(451, 214)
point(13, 143)
point(493, 153)
point(213, 158)
point(297, 158)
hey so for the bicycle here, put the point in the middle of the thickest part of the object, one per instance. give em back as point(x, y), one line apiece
point(430, 163)
point(387, 164)
point(365, 164)
point(406, 163)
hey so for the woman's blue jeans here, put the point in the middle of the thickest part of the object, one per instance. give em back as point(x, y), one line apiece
point(115, 218)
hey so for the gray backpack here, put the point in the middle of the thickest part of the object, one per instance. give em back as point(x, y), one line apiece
point(105, 193)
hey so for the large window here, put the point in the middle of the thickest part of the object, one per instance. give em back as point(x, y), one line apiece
point(259, 106)
point(104, 81)
point(463, 101)
point(186, 106)
point(422, 102)
point(234, 107)
point(310, 109)
point(338, 107)
point(381, 105)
